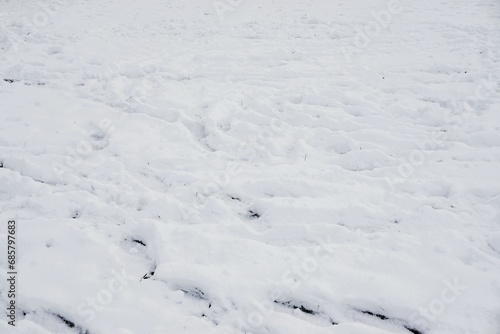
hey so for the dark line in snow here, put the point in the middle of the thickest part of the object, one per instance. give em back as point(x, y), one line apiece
point(378, 315)
point(195, 293)
point(68, 323)
point(413, 330)
point(72, 325)
point(290, 304)
point(139, 242)
point(253, 214)
point(384, 317)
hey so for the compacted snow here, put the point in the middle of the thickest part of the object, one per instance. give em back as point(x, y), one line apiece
point(266, 167)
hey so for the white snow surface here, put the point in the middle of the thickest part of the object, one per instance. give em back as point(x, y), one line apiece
point(266, 167)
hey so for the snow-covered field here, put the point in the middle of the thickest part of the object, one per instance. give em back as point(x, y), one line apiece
point(265, 167)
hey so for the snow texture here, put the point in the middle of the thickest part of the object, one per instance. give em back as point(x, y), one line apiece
point(265, 167)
